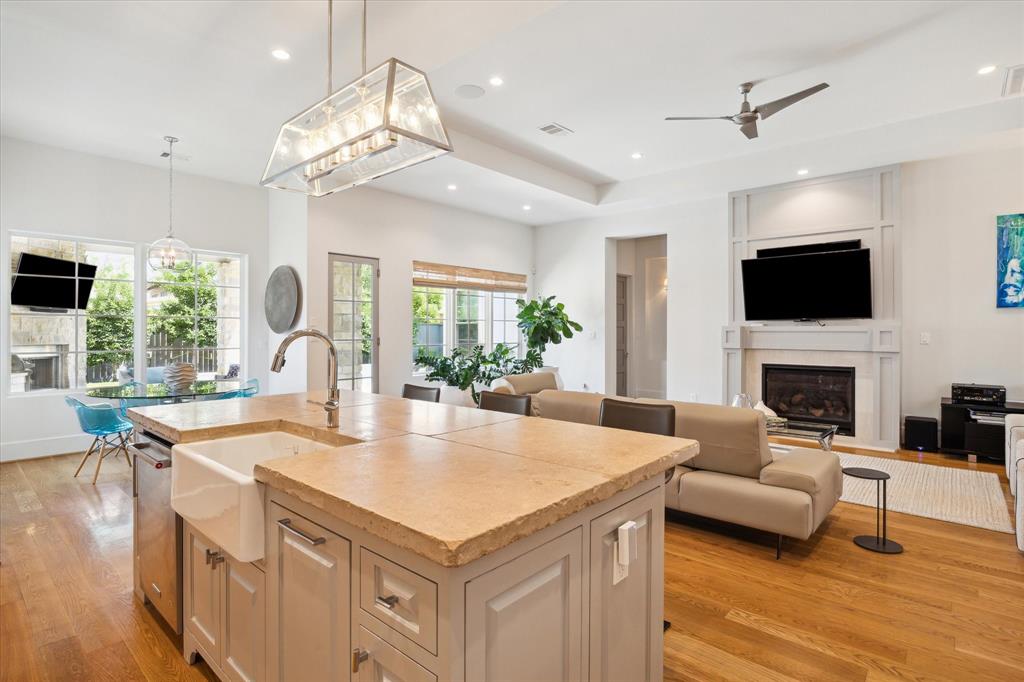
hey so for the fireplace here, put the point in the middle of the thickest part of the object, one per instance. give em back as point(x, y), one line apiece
point(820, 395)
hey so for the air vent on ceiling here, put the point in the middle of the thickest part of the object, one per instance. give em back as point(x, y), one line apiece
point(555, 129)
point(1013, 84)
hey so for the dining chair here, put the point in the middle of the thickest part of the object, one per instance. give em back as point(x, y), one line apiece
point(505, 402)
point(426, 393)
point(108, 428)
point(645, 417)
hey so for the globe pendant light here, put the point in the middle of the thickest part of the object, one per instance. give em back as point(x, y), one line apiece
point(168, 253)
point(383, 121)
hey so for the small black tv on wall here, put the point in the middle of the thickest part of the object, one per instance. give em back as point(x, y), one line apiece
point(810, 282)
point(50, 283)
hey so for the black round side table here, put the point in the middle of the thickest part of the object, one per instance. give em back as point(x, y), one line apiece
point(879, 542)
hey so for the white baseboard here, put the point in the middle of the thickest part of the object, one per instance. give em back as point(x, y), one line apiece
point(43, 447)
point(650, 393)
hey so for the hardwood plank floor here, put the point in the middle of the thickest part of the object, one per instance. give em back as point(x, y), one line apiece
point(66, 606)
point(950, 608)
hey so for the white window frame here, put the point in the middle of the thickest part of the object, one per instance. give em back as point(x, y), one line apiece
point(140, 250)
point(450, 323)
point(142, 254)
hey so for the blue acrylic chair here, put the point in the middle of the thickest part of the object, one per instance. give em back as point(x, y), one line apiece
point(108, 428)
point(248, 390)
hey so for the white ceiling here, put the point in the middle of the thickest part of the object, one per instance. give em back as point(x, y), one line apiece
point(112, 78)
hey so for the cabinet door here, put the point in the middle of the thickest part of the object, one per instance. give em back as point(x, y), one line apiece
point(385, 662)
point(203, 591)
point(310, 617)
point(524, 619)
point(245, 622)
point(626, 616)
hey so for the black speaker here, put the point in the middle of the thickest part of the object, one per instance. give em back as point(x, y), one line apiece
point(921, 433)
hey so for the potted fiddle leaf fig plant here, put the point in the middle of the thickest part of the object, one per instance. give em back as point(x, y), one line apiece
point(542, 322)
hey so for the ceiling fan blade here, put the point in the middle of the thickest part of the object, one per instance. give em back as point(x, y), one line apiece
point(749, 129)
point(766, 110)
point(698, 118)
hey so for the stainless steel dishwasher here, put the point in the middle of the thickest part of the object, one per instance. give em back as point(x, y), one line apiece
point(157, 529)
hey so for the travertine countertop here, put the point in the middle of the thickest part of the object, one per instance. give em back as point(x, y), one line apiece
point(449, 483)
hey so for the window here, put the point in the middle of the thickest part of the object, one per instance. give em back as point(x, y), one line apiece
point(72, 313)
point(428, 320)
point(464, 307)
point(194, 315)
point(354, 320)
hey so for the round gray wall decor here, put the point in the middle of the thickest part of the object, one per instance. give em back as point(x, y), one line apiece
point(283, 298)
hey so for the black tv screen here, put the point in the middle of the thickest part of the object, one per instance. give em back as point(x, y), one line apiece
point(51, 283)
point(814, 286)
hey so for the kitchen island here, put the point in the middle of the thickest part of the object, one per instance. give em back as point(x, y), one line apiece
point(423, 541)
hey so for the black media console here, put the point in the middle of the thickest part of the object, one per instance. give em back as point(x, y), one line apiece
point(975, 429)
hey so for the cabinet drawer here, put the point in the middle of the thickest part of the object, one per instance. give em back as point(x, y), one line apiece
point(401, 599)
point(385, 662)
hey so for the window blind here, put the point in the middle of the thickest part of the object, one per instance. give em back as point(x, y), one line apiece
point(456, 277)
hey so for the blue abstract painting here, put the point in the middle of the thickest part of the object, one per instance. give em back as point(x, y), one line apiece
point(1010, 261)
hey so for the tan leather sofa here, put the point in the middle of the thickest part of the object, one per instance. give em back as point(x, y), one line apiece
point(735, 477)
point(525, 384)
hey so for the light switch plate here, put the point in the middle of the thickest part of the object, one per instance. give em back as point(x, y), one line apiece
point(926, 338)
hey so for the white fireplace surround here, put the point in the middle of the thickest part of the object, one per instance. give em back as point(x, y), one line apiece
point(873, 352)
point(860, 205)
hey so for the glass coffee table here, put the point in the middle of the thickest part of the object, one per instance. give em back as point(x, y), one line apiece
point(823, 433)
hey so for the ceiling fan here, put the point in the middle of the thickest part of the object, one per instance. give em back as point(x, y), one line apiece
point(747, 118)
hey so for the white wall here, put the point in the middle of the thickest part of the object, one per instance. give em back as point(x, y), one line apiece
point(577, 261)
point(949, 215)
point(397, 230)
point(289, 245)
point(46, 189)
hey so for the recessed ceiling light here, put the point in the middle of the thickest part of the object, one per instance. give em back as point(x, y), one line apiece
point(802, 171)
point(469, 91)
point(452, 188)
point(496, 81)
point(526, 207)
point(281, 54)
point(986, 70)
point(636, 155)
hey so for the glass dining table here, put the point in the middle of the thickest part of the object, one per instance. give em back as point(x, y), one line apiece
point(163, 393)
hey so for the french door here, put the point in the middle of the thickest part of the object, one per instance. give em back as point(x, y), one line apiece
point(353, 285)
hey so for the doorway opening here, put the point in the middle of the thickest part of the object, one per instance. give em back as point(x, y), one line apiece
point(640, 311)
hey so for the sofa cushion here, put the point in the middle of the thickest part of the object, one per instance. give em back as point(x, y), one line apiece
point(813, 471)
point(568, 406)
point(733, 440)
point(529, 384)
point(745, 501)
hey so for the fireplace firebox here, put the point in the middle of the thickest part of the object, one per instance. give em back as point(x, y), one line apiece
point(820, 395)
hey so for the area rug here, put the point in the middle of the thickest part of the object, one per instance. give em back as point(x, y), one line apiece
point(970, 498)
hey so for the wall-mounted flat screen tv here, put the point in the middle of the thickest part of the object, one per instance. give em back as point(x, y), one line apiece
point(816, 286)
point(50, 283)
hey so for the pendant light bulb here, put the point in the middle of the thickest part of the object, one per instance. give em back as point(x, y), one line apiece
point(169, 253)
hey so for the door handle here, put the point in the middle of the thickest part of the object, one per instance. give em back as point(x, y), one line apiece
point(287, 525)
point(359, 656)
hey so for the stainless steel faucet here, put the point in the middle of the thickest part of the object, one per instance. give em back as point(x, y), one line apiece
point(331, 406)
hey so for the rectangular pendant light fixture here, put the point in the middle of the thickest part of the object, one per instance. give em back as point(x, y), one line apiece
point(385, 120)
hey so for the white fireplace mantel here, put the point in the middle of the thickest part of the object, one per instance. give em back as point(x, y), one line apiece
point(873, 349)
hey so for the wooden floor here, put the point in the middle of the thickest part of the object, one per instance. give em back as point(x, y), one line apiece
point(950, 608)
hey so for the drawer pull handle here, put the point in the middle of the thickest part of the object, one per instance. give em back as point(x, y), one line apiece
point(389, 602)
point(359, 656)
point(213, 558)
point(287, 525)
point(157, 590)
